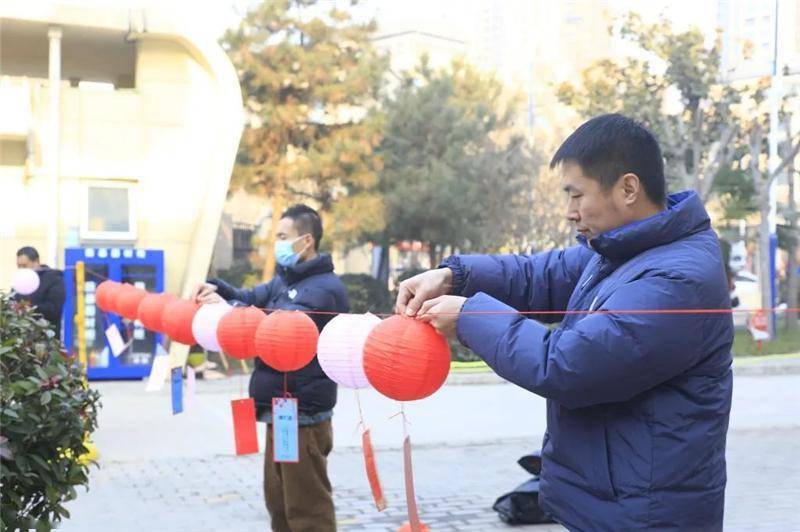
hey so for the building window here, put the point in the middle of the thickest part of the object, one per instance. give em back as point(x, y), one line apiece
point(108, 212)
point(242, 242)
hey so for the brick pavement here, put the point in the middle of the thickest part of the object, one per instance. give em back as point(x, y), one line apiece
point(456, 487)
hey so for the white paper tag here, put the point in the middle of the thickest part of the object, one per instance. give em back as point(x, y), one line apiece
point(115, 340)
point(158, 374)
point(285, 430)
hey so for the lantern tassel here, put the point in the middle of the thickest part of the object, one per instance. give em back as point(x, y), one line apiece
point(369, 460)
point(411, 498)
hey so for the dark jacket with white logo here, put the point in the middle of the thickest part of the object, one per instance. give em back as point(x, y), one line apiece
point(309, 285)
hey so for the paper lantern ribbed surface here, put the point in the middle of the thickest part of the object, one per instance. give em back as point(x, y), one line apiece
point(103, 293)
point(341, 348)
point(236, 331)
point(116, 296)
point(286, 340)
point(176, 320)
point(204, 325)
point(151, 309)
point(25, 281)
point(128, 303)
point(406, 359)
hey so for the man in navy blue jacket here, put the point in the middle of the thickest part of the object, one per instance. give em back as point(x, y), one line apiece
point(297, 496)
point(638, 390)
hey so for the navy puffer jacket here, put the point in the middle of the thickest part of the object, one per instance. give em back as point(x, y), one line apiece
point(638, 403)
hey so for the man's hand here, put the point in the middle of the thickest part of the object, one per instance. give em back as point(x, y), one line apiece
point(206, 293)
point(417, 290)
point(442, 313)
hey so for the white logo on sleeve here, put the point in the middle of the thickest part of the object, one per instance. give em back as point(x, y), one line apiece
point(292, 293)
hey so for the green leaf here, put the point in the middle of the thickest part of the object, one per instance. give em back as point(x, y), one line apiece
point(46, 396)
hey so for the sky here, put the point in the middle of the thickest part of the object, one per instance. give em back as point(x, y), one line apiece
point(214, 16)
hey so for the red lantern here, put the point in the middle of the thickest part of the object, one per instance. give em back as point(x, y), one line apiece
point(176, 320)
point(103, 294)
point(151, 307)
point(406, 359)
point(117, 295)
point(236, 332)
point(128, 303)
point(287, 340)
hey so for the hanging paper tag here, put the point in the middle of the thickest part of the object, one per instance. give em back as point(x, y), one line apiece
point(372, 472)
point(115, 340)
point(191, 382)
point(285, 446)
point(177, 390)
point(158, 373)
point(244, 426)
point(411, 498)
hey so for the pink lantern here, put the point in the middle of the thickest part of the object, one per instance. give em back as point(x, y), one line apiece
point(340, 350)
point(25, 281)
point(204, 325)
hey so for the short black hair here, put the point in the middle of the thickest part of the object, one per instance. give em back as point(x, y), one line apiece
point(306, 220)
point(29, 252)
point(610, 146)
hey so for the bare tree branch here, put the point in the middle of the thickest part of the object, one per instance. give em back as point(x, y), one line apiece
point(719, 156)
point(784, 163)
point(755, 141)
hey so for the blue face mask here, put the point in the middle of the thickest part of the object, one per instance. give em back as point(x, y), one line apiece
point(285, 254)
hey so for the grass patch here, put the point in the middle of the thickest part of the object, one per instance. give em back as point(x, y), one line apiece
point(469, 367)
point(785, 343)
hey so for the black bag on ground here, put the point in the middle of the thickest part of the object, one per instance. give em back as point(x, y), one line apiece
point(521, 506)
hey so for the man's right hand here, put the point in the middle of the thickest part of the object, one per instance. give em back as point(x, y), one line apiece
point(206, 293)
point(417, 290)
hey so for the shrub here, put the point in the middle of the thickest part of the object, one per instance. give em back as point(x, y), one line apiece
point(367, 294)
point(46, 411)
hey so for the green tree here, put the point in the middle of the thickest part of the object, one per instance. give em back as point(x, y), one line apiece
point(675, 89)
point(310, 81)
point(455, 175)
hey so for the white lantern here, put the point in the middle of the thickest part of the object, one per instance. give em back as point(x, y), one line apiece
point(204, 324)
point(25, 281)
point(340, 349)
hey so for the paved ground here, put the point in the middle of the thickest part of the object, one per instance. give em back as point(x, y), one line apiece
point(161, 472)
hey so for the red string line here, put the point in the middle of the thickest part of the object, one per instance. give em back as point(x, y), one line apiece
point(679, 311)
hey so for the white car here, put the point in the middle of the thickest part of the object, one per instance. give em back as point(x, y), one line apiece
point(748, 292)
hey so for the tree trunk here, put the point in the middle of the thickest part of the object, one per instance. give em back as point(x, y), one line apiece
point(792, 278)
point(383, 262)
point(278, 206)
point(432, 255)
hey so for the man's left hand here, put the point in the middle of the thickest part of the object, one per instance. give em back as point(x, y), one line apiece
point(442, 312)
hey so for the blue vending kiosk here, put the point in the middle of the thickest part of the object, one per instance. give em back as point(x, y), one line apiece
point(143, 268)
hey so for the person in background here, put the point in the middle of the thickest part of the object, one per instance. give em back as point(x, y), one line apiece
point(49, 297)
point(298, 496)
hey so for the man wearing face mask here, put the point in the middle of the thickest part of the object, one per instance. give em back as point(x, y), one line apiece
point(297, 496)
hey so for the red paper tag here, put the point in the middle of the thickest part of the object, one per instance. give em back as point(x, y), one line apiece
point(372, 472)
point(411, 498)
point(244, 426)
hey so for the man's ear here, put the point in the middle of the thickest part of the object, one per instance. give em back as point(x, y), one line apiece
point(631, 187)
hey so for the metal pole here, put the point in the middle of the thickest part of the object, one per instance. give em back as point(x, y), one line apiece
point(54, 141)
point(775, 95)
point(80, 311)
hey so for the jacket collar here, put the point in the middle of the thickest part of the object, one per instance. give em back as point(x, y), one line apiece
point(684, 216)
point(322, 263)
